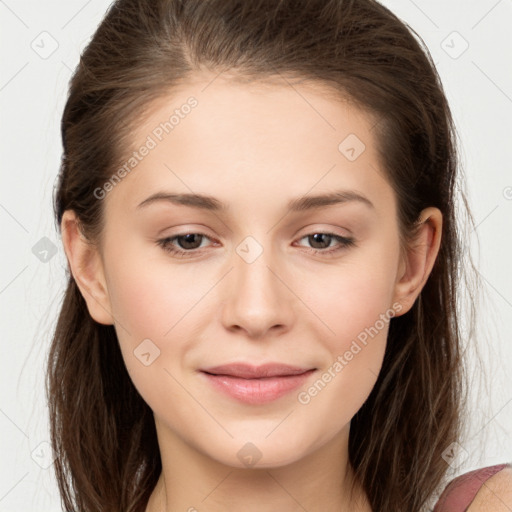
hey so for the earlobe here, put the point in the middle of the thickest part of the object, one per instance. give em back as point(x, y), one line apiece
point(87, 269)
point(418, 260)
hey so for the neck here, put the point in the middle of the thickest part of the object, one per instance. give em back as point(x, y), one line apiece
point(191, 481)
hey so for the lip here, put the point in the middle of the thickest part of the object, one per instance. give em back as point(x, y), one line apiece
point(256, 384)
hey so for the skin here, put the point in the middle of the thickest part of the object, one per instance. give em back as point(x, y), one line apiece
point(495, 495)
point(254, 147)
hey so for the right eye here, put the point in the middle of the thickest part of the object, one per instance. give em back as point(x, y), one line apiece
point(188, 241)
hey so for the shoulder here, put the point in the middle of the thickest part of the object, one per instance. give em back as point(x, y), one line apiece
point(488, 489)
point(495, 495)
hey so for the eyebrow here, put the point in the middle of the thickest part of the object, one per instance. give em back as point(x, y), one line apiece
point(300, 204)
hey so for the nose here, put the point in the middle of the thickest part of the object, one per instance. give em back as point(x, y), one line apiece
point(258, 296)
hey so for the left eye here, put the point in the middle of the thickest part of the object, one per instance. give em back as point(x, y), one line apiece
point(326, 239)
point(190, 242)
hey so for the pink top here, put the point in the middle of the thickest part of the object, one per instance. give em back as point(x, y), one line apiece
point(461, 491)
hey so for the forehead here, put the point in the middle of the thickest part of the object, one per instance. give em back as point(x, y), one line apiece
point(260, 140)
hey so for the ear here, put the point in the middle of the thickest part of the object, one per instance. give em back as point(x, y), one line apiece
point(87, 268)
point(418, 259)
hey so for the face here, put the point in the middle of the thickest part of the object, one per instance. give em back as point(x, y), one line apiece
point(252, 270)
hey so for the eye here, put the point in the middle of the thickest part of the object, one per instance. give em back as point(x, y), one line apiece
point(188, 241)
point(322, 241)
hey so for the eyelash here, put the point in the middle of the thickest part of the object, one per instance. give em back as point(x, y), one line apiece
point(344, 242)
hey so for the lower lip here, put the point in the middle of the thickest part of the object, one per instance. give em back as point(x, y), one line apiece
point(257, 391)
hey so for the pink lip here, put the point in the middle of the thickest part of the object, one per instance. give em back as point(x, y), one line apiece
point(256, 384)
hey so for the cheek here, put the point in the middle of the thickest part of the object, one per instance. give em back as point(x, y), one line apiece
point(150, 298)
point(355, 309)
point(153, 301)
point(358, 317)
point(360, 321)
point(150, 303)
point(353, 299)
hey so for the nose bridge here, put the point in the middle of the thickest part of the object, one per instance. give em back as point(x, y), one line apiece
point(257, 300)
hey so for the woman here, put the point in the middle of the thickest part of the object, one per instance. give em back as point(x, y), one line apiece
point(257, 205)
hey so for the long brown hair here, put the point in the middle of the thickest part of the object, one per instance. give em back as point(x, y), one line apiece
point(102, 431)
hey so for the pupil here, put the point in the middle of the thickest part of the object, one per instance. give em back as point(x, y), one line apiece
point(189, 244)
point(318, 237)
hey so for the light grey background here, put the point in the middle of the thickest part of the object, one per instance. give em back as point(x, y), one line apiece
point(40, 44)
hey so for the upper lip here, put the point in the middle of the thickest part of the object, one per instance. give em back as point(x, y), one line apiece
point(247, 371)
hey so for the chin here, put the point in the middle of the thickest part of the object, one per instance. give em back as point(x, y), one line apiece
point(260, 453)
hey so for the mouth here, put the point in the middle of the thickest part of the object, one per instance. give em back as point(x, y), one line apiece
point(256, 384)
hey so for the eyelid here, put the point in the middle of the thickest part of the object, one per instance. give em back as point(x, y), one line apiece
point(326, 228)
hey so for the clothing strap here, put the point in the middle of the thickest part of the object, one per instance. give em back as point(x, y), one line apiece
point(461, 491)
